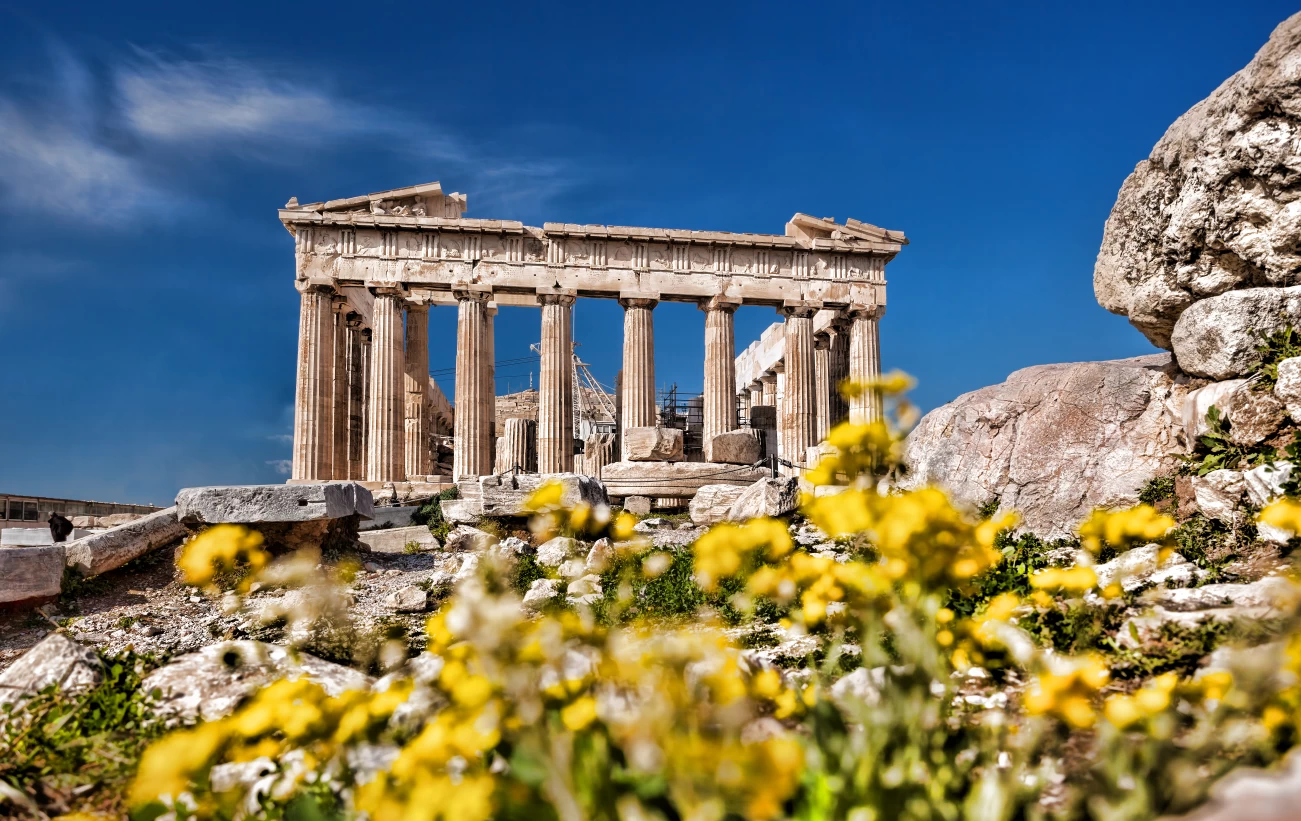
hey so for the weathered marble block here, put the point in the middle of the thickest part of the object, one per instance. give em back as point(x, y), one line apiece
point(766, 497)
point(396, 539)
point(54, 659)
point(652, 444)
point(28, 573)
point(102, 552)
point(713, 503)
point(737, 447)
point(256, 504)
point(673, 480)
point(507, 495)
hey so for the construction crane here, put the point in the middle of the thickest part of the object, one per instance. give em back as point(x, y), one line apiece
point(593, 401)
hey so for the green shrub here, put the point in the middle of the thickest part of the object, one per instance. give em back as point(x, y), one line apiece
point(1157, 490)
point(1214, 450)
point(1273, 349)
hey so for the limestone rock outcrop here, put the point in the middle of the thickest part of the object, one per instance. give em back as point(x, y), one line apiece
point(1054, 441)
point(1219, 337)
point(1217, 205)
point(1288, 388)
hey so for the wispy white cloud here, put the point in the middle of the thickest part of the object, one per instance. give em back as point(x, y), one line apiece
point(282, 466)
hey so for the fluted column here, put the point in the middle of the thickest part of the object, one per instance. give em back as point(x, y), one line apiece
point(556, 385)
point(719, 400)
point(822, 383)
point(416, 382)
point(756, 393)
point(314, 390)
point(355, 367)
point(471, 453)
point(490, 378)
point(367, 368)
point(338, 399)
point(638, 387)
point(769, 382)
point(517, 446)
point(865, 362)
point(779, 403)
point(799, 417)
point(838, 370)
point(386, 454)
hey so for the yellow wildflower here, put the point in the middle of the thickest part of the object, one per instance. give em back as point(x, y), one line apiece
point(1123, 528)
point(1284, 514)
point(1073, 579)
point(220, 548)
point(1068, 695)
point(579, 714)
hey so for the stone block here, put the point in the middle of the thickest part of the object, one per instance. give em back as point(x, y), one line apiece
point(390, 516)
point(640, 505)
point(460, 511)
point(55, 659)
point(506, 495)
point(26, 537)
point(766, 497)
point(737, 447)
point(116, 519)
point(29, 573)
point(1219, 494)
point(673, 480)
point(102, 552)
point(211, 683)
point(257, 504)
point(396, 539)
point(713, 503)
point(1288, 387)
point(652, 444)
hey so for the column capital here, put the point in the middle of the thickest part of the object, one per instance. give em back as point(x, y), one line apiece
point(352, 319)
point(419, 301)
point(798, 311)
point(490, 309)
point(468, 295)
point(638, 302)
point(757, 385)
point(720, 303)
point(778, 368)
point(318, 286)
point(393, 289)
point(366, 335)
point(556, 299)
point(821, 340)
point(768, 378)
point(866, 312)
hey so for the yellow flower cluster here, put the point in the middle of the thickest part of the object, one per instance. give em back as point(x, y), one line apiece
point(221, 548)
point(1068, 693)
point(1071, 579)
point(1284, 514)
point(727, 549)
point(1124, 711)
point(1124, 528)
point(551, 515)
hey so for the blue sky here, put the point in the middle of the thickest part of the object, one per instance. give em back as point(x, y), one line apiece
point(147, 311)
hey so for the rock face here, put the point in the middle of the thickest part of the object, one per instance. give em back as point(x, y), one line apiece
point(1219, 494)
point(28, 573)
point(211, 683)
point(766, 497)
point(1254, 415)
point(257, 504)
point(1217, 205)
point(56, 659)
point(1288, 388)
point(102, 552)
point(1053, 441)
point(1218, 337)
point(652, 444)
point(713, 503)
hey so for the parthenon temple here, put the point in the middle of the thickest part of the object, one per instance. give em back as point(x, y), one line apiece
point(368, 269)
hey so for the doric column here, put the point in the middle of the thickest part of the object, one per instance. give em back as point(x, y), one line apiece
point(490, 377)
point(799, 416)
point(556, 385)
point(386, 452)
point(822, 382)
point(355, 368)
point(779, 402)
point(471, 453)
point(517, 446)
point(314, 390)
point(769, 382)
point(756, 393)
point(367, 368)
point(838, 370)
point(865, 362)
point(339, 391)
point(719, 400)
point(416, 383)
point(638, 388)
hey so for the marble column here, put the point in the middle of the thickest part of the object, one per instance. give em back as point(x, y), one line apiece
point(799, 416)
point(865, 362)
point(637, 392)
point(556, 385)
point(339, 391)
point(416, 381)
point(719, 400)
point(756, 393)
point(356, 371)
point(779, 403)
point(471, 453)
point(386, 451)
point(822, 382)
point(838, 370)
point(769, 381)
point(517, 447)
point(490, 378)
point(314, 389)
point(367, 368)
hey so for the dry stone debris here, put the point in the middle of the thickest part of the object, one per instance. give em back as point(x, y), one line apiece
point(540, 592)
point(399, 539)
point(1254, 415)
point(554, 552)
point(1054, 441)
point(109, 550)
point(1215, 207)
point(1143, 565)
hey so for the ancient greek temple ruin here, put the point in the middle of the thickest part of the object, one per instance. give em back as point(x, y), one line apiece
point(368, 269)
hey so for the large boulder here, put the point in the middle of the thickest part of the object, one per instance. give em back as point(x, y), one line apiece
point(1219, 337)
point(1217, 205)
point(214, 681)
point(1054, 441)
point(102, 552)
point(55, 659)
point(652, 444)
point(258, 504)
point(713, 503)
point(766, 497)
